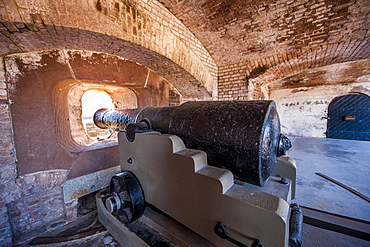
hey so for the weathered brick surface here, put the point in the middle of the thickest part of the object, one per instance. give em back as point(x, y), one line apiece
point(233, 77)
point(5, 230)
point(103, 26)
point(286, 36)
point(26, 203)
point(31, 203)
point(8, 169)
point(174, 98)
point(34, 200)
point(71, 209)
point(239, 30)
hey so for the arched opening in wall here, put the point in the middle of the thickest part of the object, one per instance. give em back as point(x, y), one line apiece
point(75, 103)
point(92, 100)
point(349, 117)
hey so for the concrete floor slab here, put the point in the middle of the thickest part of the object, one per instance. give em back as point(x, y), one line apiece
point(318, 237)
point(347, 161)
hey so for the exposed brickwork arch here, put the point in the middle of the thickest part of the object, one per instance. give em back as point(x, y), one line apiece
point(251, 77)
point(356, 50)
point(141, 31)
point(245, 30)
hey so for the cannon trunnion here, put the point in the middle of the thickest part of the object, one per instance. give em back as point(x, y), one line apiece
point(241, 136)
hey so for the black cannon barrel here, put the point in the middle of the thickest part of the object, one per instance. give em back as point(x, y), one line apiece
point(241, 136)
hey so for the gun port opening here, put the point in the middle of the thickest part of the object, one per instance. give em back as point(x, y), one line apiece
point(93, 100)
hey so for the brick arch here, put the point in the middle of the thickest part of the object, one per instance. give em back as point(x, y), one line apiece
point(294, 63)
point(46, 88)
point(142, 31)
point(246, 30)
point(249, 79)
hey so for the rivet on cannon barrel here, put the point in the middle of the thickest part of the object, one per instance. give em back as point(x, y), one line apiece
point(241, 136)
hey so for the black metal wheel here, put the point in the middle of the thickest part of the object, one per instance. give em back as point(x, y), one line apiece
point(126, 198)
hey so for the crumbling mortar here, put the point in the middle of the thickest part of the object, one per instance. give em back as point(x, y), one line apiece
point(11, 223)
point(66, 59)
point(8, 112)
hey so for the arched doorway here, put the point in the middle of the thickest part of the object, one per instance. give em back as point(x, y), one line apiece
point(349, 117)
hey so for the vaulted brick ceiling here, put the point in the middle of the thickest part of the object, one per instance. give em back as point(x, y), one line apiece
point(278, 37)
point(241, 30)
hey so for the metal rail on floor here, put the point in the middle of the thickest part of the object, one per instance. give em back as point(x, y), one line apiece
point(338, 223)
point(366, 198)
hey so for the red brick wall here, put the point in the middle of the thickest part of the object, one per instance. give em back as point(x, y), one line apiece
point(36, 202)
point(8, 172)
point(142, 31)
point(238, 81)
point(245, 30)
point(34, 163)
point(285, 36)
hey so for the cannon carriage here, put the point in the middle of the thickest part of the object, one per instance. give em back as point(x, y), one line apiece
point(212, 169)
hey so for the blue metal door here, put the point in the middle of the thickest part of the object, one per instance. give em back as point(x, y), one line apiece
point(349, 117)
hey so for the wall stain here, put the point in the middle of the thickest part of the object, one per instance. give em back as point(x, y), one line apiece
point(256, 72)
point(79, 193)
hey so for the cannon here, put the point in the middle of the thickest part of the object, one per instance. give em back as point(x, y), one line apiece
point(241, 136)
point(201, 174)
